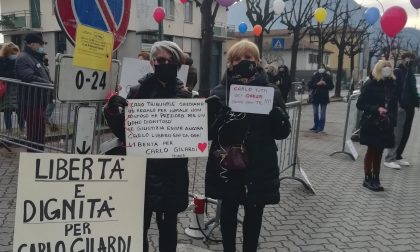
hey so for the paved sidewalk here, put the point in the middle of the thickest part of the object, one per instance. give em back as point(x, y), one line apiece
point(342, 216)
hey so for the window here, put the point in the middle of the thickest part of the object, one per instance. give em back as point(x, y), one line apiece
point(326, 60)
point(169, 6)
point(60, 42)
point(313, 58)
point(188, 12)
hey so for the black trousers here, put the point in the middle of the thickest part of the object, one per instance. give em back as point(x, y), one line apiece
point(251, 226)
point(167, 225)
point(409, 116)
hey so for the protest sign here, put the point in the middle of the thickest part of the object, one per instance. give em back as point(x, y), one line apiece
point(251, 99)
point(93, 48)
point(167, 128)
point(134, 69)
point(79, 203)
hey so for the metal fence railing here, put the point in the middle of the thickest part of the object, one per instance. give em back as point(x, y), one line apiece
point(31, 117)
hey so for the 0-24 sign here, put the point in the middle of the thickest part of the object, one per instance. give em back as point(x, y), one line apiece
point(76, 84)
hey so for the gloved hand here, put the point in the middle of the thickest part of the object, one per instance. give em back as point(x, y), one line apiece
point(115, 102)
point(114, 115)
point(280, 123)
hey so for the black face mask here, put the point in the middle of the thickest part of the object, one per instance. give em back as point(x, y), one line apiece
point(245, 69)
point(166, 72)
point(46, 62)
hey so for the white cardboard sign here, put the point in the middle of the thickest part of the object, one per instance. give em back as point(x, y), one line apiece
point(70, 203)
point(167, 128)
point(251, 99)
point(134, 69)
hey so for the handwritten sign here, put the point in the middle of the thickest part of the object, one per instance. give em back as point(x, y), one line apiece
point(167, 128)
point(251, 99)
point(93, 48)
point(134, 69)
point(79, 203)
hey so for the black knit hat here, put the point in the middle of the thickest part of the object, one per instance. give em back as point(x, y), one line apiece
point(34, 38)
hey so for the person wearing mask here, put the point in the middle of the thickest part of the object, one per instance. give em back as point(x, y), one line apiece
point(30, 68)
point(319, 86)
point(8, 103)
point(192, 77)
point(166, 179)
point(379, 105)
point(407, 101)
point(285, 82)
point(257, 184)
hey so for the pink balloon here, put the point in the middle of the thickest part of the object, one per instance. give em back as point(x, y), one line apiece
point(393, 21)
point(226, 3)
point(159, 14)
point(184, 1)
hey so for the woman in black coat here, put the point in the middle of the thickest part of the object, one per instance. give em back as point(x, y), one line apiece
point(319, 86)
point(379, 105)
point(285, 82)
point(166, 179)
point(258, 184)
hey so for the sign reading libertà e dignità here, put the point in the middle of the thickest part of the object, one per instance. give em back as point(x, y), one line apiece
point(167, 128)
point(79, 203)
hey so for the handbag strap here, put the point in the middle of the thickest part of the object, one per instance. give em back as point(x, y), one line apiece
point(233, 118)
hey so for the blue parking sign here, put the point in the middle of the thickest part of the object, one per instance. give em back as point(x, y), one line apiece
point(277, 44)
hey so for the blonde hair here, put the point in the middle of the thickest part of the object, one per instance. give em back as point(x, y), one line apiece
point(377, 70)
point(242, 48)
point(8, 49)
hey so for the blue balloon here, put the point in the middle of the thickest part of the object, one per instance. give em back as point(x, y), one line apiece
point(372, 15)
point(243, 27)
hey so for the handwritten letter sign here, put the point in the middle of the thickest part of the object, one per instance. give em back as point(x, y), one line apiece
point(79, 203)
point(251, 99)
point(167, 128)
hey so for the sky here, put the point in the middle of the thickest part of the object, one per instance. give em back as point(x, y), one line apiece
point(413, 14)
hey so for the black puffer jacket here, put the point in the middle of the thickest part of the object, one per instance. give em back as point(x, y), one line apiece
point(321, 93)
point(406, 87)
point(166, 179)
point(29, 69)
point(259, 183)
point(375, 94)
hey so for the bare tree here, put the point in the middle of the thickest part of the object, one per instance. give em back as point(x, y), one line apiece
point(261, 16)
point(208, 17)
point(297, 18)
point(376, 47)
point(344, 31)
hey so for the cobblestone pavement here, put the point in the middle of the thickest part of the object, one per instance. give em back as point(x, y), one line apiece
point(342, 216)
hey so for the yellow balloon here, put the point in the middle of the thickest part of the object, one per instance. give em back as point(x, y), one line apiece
point(320, 15)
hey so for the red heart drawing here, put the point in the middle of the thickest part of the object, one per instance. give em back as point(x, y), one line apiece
point(202, 146)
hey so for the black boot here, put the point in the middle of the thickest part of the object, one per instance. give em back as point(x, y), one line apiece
point(368, 180)
point(376, 183)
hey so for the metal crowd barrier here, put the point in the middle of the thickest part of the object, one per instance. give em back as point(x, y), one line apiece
point(350, 128)
point(287, 154)
point(32, 118)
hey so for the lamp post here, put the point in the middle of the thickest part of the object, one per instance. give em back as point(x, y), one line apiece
point(160, 4)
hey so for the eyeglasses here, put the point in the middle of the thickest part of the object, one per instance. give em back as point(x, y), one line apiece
point(163, 61)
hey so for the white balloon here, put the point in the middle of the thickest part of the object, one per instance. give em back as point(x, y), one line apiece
point(278, 7)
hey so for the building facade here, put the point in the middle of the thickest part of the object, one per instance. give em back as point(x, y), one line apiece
point(182, 25)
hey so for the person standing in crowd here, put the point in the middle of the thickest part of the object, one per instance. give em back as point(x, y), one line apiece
point(407, 101)
point(258, 183)
point(29, 68)
point(319, 87)
point(143, 56)
point(8, 103)
point(192, 77)
point(166, 179)
point(285, 82)
point(271, 74)
point(379, 105)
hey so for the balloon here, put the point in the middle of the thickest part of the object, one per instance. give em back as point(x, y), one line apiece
point(226, 3)
point(372, 15)
point(258, 30)
point(184, 1)
point(278, 7)
point(415, 3)
point(320, 15)
point(393, 21)
point(159, 14)
point(243, 27)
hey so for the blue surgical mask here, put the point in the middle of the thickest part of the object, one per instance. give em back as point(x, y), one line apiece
point(12, 57)
point(40, 50)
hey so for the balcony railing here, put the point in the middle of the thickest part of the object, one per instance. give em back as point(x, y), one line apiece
point(219, 30)
point(20, 20)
